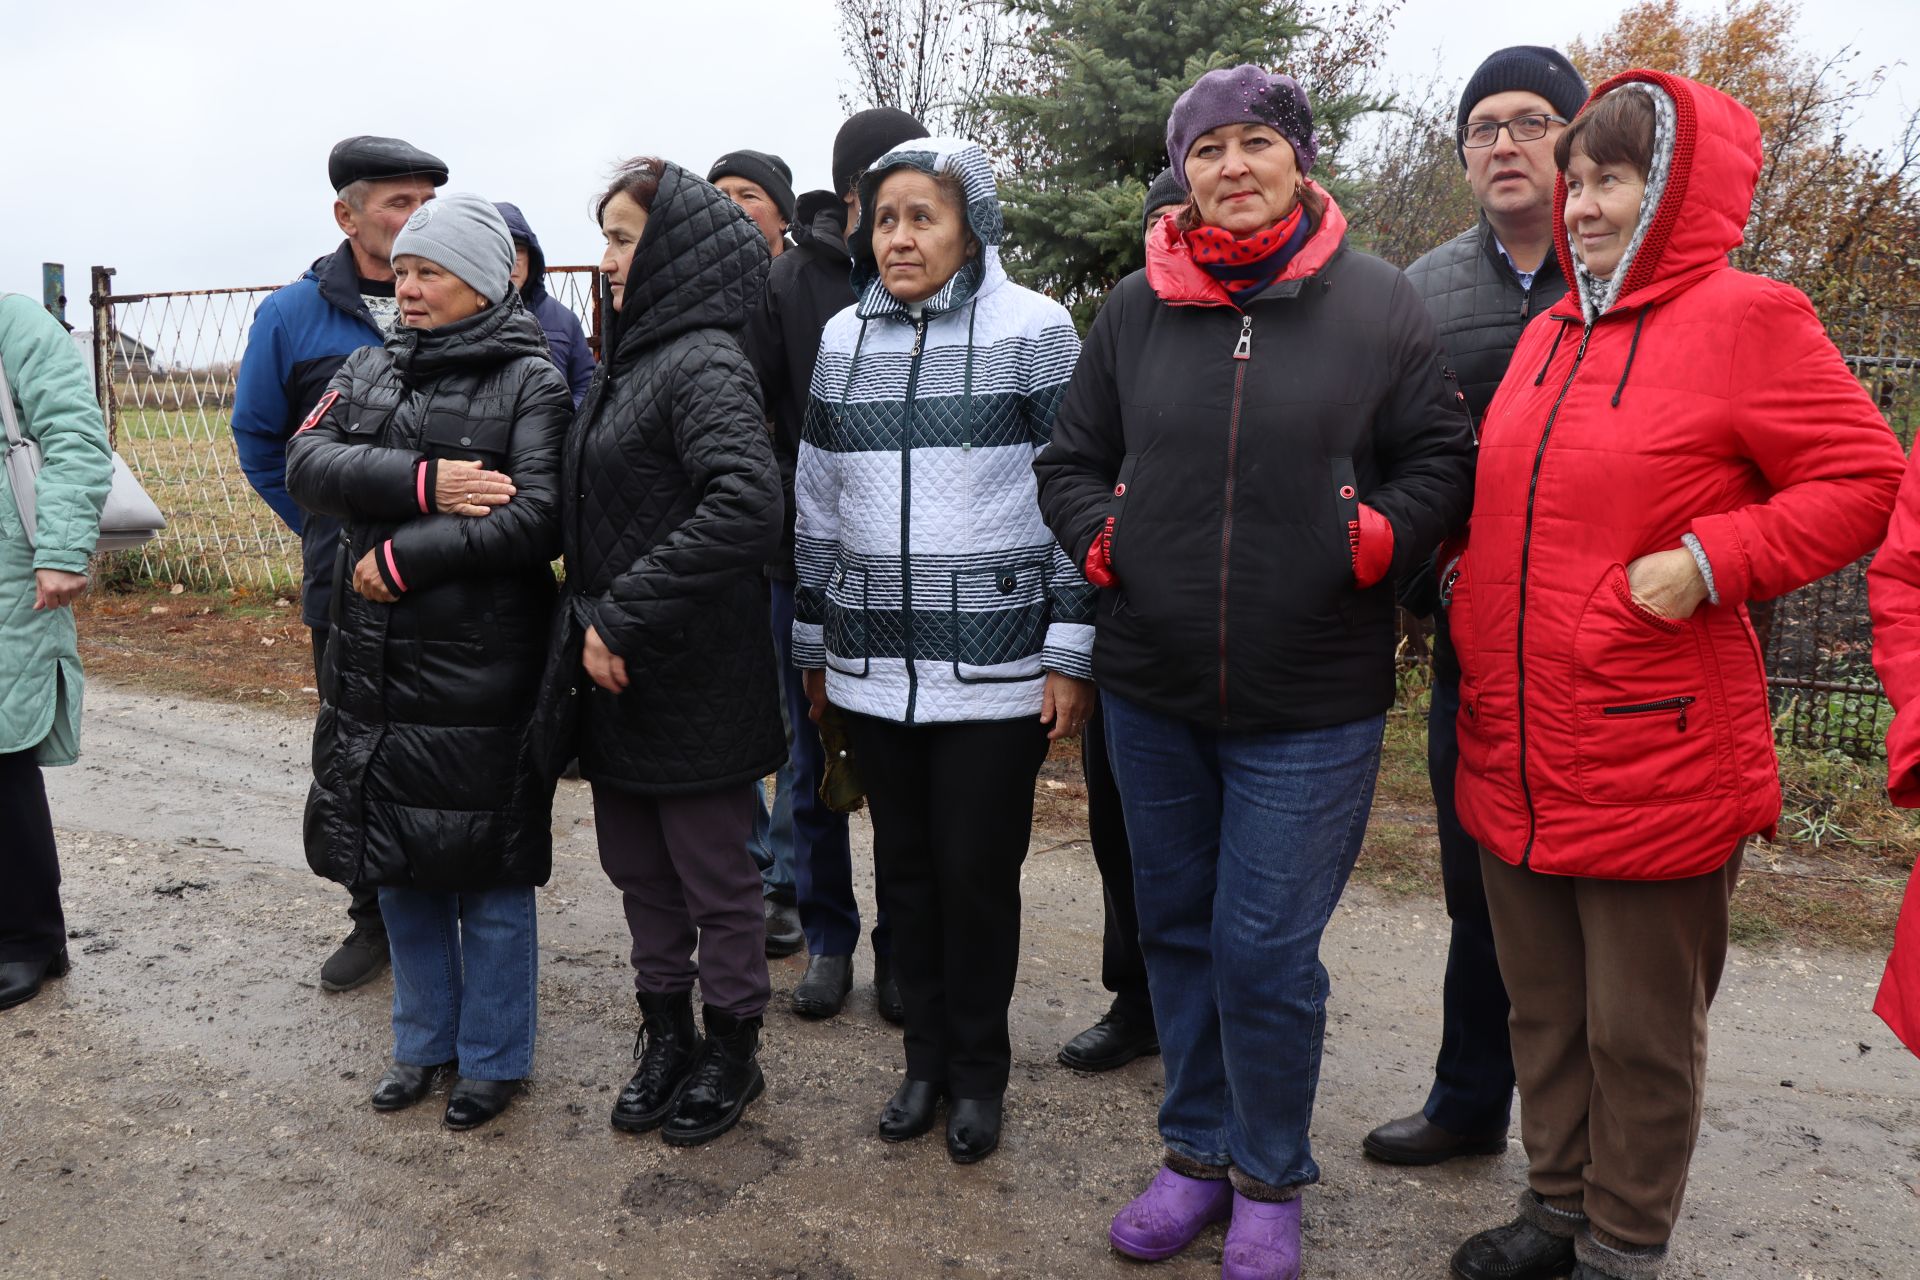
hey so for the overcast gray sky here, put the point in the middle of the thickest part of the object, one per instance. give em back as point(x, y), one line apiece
point(186, 143)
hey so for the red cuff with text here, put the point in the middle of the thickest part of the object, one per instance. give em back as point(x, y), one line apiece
point(1371, 539)
point(1099, 569)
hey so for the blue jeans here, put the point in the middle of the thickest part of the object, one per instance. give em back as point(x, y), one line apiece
point(821, 854)
point(465, 970)
point(1242, 843)
point(771, 843)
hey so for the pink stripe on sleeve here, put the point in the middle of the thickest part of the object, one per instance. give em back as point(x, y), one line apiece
point(393, 570)
point(420, 485)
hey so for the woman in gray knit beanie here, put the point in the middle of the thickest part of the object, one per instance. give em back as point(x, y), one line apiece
point(440, 453)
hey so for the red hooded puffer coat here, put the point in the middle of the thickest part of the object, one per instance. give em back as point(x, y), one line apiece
point(1597, 739)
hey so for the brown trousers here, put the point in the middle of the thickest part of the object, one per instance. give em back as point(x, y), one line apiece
point(1611, 981)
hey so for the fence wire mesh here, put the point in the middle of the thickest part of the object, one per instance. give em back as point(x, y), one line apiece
point(165, 364)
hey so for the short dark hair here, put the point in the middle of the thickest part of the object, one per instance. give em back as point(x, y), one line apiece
point(637, 179)
point(1618, 129)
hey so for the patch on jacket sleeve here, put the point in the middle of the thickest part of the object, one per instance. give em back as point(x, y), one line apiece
point(319, 411)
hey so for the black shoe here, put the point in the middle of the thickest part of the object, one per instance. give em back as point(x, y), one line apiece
point(1114, 1041)
point(471, 1103)
point(909, 1112)
point(1518, 1251)
point(784, 935)
point(823, 990)
point(973, 1128)
point(20, 979)
point(725, 1078)
point(360, 959)
point(403, 1085)
point(672, 1042)
point(1417, 1140)
point(886, 991)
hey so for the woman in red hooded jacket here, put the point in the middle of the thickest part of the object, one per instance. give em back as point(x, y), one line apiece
point(1893, 592)
point(1672, 439)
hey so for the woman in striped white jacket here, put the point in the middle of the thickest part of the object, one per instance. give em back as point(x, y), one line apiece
point(933, 606)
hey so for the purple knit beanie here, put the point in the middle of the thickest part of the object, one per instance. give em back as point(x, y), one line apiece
point(1241, 95)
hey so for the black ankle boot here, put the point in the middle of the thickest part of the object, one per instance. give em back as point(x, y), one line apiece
point(665, 1047)
point(725, 1078)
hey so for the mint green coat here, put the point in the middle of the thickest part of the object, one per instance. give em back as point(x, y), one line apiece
point(40, 681)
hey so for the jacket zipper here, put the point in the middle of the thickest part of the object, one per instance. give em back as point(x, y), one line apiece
point(1242, 353)
point(1678, 704)
point(1520, 624)
point(906, 515)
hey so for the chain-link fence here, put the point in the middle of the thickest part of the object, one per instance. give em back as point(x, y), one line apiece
point(164, 369)
point(1818, 641)
point(164, 365)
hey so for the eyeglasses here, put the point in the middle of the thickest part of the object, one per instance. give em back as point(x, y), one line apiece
point(1528, 128)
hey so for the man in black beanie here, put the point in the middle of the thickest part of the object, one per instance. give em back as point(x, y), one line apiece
point(805, 289)
point(762, 185)
point(1482, 288)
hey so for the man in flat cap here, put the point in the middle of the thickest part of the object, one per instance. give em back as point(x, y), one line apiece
point(301, 336)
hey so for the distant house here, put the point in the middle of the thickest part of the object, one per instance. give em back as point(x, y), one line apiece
point(133, 356)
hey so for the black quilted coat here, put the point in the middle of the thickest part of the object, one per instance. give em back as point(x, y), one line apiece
point(421, 763)
point(673, 506)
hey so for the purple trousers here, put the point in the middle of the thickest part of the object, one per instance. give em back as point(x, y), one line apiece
point(681, 865)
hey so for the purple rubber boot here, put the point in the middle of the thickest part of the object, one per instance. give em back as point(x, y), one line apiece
point(1263, 1242)
point(1164, 1219)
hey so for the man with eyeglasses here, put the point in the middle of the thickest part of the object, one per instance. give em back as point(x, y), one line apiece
point(1482, 287)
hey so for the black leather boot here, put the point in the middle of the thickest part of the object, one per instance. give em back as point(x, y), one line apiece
point(665, 1048)
point(20, 979)
point(471, 1103)
point(973, 1128)
point(1537, 1245)
point(403, 1085)
point(909, 1112)
point(725, 1078)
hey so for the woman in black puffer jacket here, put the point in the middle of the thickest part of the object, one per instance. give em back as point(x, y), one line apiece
point(674, 505)
point(440, 452)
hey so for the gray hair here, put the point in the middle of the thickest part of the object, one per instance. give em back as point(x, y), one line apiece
point(354, 194)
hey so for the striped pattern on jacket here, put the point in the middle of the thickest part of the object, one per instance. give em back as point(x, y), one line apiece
point(928, 586)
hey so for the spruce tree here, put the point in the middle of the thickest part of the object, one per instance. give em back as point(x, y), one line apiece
point(1093, 136)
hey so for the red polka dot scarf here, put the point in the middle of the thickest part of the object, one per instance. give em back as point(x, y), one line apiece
point(1244, 267)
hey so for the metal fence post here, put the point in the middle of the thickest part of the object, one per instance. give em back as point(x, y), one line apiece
point(101, 300)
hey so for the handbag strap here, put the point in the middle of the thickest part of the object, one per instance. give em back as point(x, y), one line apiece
point(14, 438)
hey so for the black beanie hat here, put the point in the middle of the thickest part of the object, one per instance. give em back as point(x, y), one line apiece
point(1527, 68)
point(865, 138)
point(766, 171)
point(1165, 191)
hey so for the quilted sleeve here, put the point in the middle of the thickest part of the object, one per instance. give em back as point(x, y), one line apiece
point(53, 391)
point(1070, 597)
point(816, 526)
point(328, 471)
point(1081, 460)
point(720, 437)
point(1814, 433)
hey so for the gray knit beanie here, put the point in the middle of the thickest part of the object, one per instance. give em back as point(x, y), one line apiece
point(465, 234)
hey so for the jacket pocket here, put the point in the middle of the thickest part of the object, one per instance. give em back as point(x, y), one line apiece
point(844, 632)
point(1456, 605)
point(1646, 727)
point(998, 617)
point(467, 439)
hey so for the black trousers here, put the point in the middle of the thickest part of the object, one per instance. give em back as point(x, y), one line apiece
point(952, 808)
point(1123, 969)
point(363, 907)
point(1473, 1076)
point(31, 924)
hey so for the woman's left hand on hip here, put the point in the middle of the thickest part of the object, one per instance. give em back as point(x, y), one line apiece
point(604, 667)
point(368, 582)
point(1066, 705)
point(1667, 583)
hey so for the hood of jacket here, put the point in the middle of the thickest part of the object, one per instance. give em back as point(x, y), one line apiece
point(820, 222)
point(536, 286)
point(700, 264)
point(504, 331)
point(979, 274)
point(1699, 194)
point(1177, 280)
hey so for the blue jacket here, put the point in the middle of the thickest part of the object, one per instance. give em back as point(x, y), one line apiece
point(301, 336)
point(565, 337)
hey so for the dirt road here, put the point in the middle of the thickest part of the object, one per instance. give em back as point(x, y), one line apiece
point(188, 1103)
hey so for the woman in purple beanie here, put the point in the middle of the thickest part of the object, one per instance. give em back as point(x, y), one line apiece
point(1258, 438)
